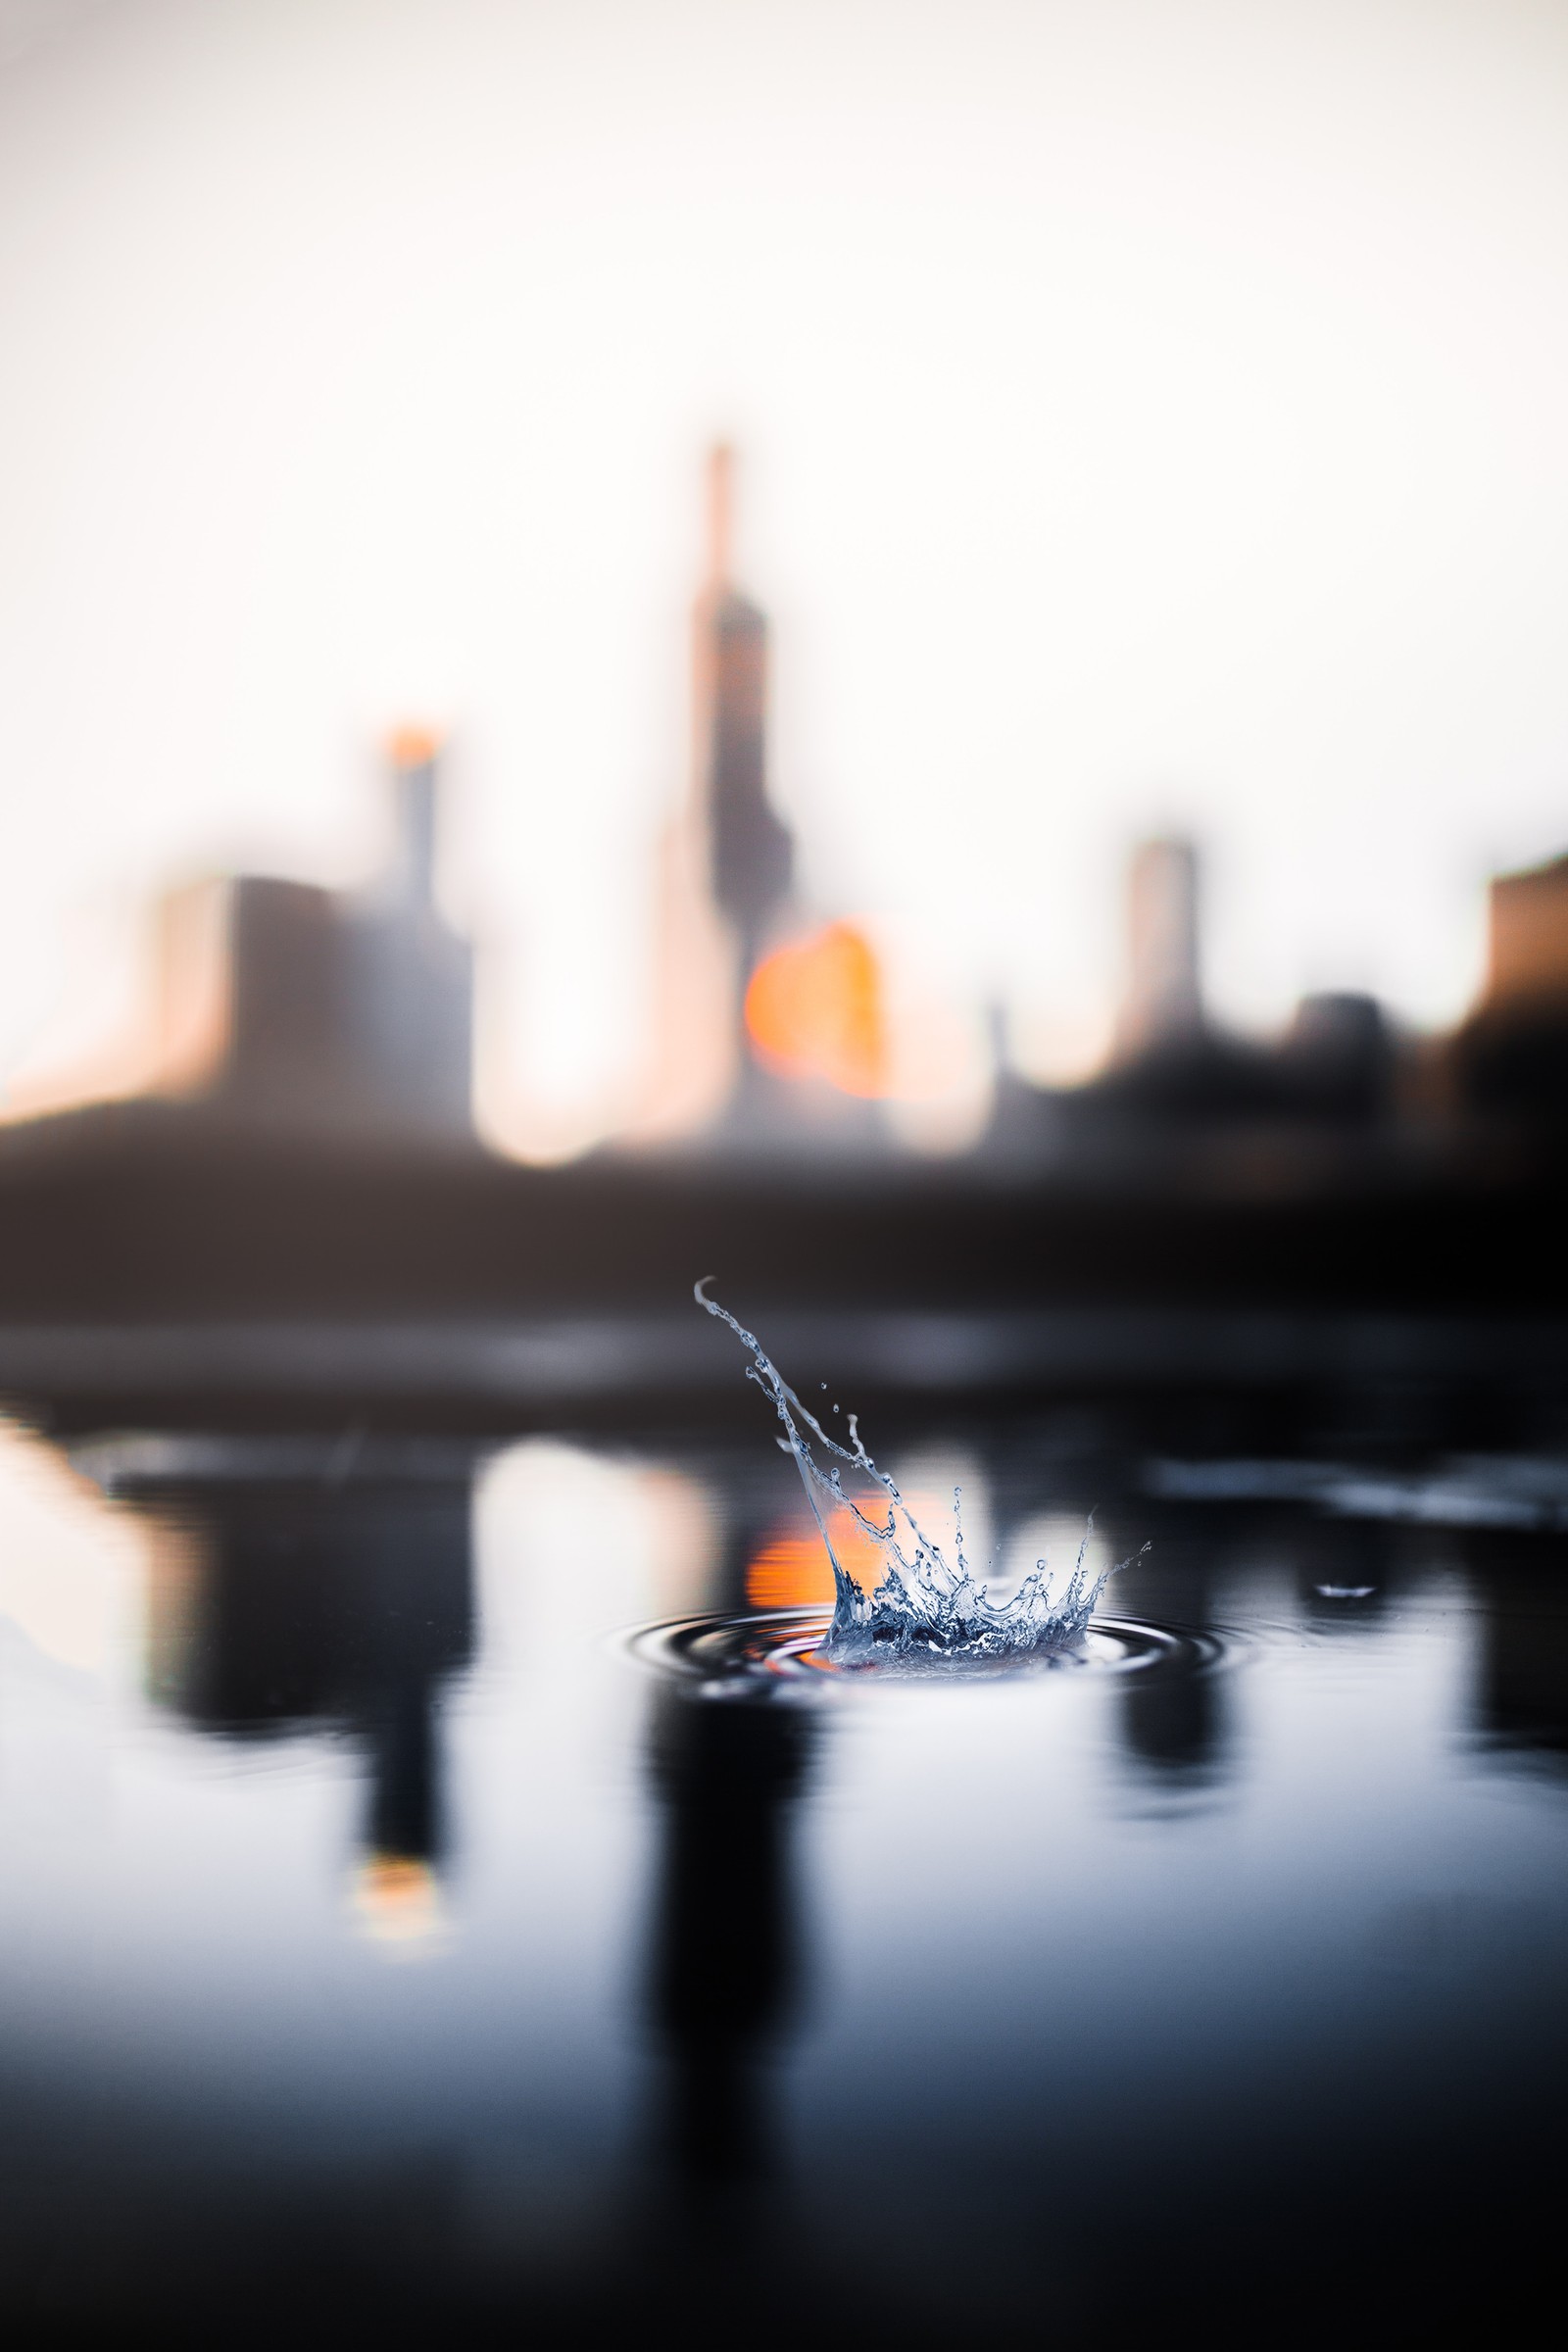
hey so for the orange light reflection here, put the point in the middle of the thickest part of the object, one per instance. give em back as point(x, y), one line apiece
point(792, 1570)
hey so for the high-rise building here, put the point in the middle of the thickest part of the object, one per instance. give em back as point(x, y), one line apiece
point(313, 1011)
point(1163, 1003)
point(749, 851)
point(726, 859)
point(1511, 1057)
point(765, 1041)
point(1527, 960)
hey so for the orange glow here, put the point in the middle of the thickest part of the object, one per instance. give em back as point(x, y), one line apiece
point(413, 746)
point(815, 1008)
point(792, 1570)
point(398, 1899)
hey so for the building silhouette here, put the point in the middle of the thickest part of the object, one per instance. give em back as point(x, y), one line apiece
point(305, 1153)
point(726, 902)
point(1509, 1059)
point(1526, 959)
point(751, 854)
point(319, 1014)
point(1176, 1074)
point(1163, 1004)
point(725, 861)
point(288, 1598)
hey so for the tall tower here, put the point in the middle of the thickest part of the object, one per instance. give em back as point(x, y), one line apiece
point(725, 861)
point(1164, 1003)
point(411, 877)
point(408, 980)
point(750, 851)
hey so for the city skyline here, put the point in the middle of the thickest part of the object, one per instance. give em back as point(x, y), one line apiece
point(1089, 500)
point(284, 1006)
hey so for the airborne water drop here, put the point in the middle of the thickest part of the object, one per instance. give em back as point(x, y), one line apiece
point(923, 1609)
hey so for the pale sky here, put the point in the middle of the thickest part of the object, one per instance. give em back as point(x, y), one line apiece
point(1152, 413)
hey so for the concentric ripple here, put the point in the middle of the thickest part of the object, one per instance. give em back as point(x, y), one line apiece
point(782, 1654)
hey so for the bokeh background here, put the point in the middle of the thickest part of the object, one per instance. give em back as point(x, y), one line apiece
point(1150, 417)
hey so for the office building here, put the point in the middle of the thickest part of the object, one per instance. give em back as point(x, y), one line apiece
point(310, 1012)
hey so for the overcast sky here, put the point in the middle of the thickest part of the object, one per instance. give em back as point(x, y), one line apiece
point(1152, 413)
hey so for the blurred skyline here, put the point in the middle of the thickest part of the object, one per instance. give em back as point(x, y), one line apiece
point(1150, 419)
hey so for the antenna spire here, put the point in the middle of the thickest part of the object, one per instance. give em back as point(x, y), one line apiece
point(720, 512)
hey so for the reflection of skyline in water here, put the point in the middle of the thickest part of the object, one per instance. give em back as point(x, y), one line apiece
point(1522, 1697)
point(1172, 1726)
point(283, 1605)
point(346, 1604)
point(821, 1958)
point(726, 1944)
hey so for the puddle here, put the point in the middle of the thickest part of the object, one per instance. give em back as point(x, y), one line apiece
point(786, 1650)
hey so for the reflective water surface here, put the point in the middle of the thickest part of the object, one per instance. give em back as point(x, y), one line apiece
point(395, 1927)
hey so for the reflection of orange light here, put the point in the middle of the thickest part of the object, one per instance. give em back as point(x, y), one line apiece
point(398, 1898)
point(815, 1009)
point(792, 1571)
point(413, 747)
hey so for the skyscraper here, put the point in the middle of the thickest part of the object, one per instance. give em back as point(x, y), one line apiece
point(792, 1063)
point(725, 859)
point(304, 1010)
point(751, 854)
point(1163, 1004)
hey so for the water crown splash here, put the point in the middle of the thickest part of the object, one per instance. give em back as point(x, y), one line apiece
point(922, 1609)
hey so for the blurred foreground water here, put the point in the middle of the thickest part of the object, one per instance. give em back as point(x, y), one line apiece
point(389, 1936)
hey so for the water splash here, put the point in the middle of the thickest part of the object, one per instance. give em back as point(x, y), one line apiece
point(923, 1608)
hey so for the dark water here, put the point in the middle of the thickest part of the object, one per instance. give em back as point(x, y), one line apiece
point(390, 1938)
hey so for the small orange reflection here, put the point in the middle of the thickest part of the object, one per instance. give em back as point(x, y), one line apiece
point(792, 1570)
point(398, 1900)
point(815, 1008)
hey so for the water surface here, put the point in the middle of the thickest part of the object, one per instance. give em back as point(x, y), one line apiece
point(394, 1923)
